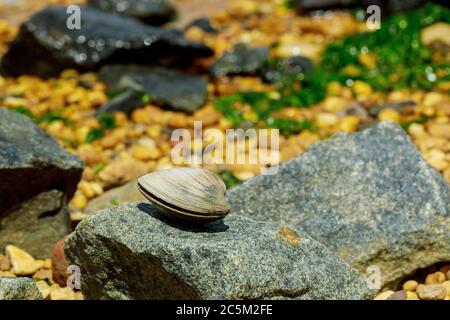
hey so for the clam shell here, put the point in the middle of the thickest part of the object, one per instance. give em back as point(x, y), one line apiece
point(186, 193)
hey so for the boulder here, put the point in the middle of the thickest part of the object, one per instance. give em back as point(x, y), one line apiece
point(18, 289)
point(154, 12)
point(132, 251)
point(32, 162)
point(45, 45)
point(165, 87)
point(369, 196)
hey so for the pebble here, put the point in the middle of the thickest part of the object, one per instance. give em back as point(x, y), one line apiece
point(22, 263)
point(431, 292)
point(7, 274)
point(43, 274)
point(446, 285)
point(389, 114)
point(44, 288)
point(5, 265)
point(384, 295)
point(58, 293)
point(59, 263)
point(410, 285)
point(398, 295)
point(411, 295)
point(434, 278)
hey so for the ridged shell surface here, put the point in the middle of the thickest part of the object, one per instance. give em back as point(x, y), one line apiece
point(186, 193)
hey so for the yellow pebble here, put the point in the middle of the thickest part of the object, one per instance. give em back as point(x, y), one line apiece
point(446, 284)
point(410, 295)
point(435, 278)
point(348, 124)
point(334, 88)
point(144, 153)
point(410, 285)
point(324, 120)
point(154, 131)
point(384, 295)
point(432, 98)
point(334, 104)
point(362, 88)
point(87, 189)
point(416, 130)
point(389, 114)
point(79, 201)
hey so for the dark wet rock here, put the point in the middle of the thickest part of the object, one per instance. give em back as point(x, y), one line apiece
point(398, 106)
point(155, 258)
point(368, 196)
point(154, 12)
point(296, 66)
point(32, 162)
point(242, 60)
point(45, 46)
point(126, 102)
point(126, 193)
point(18, 289)
point(36, 224)
point(204, 24)
point(165, 87)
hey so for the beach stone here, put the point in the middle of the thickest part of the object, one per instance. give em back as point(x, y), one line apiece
point(45, 46)
point(36, 224)
point(59, 263)
point(242, 60)
point(125, 102)
point(368, 196)
point(431, 292)
point(165, 87)
point(157, 258)
point(33, 165)
point(154, 12)
point(18, 289)
point(23, 264)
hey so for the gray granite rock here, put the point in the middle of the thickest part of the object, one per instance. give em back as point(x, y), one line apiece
point(37, 224)
point(32, 162)
point(154, 12)
point(368, 196)
point(18, 289)
point(165, 87)
point(133, 252)
point(45, 45)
